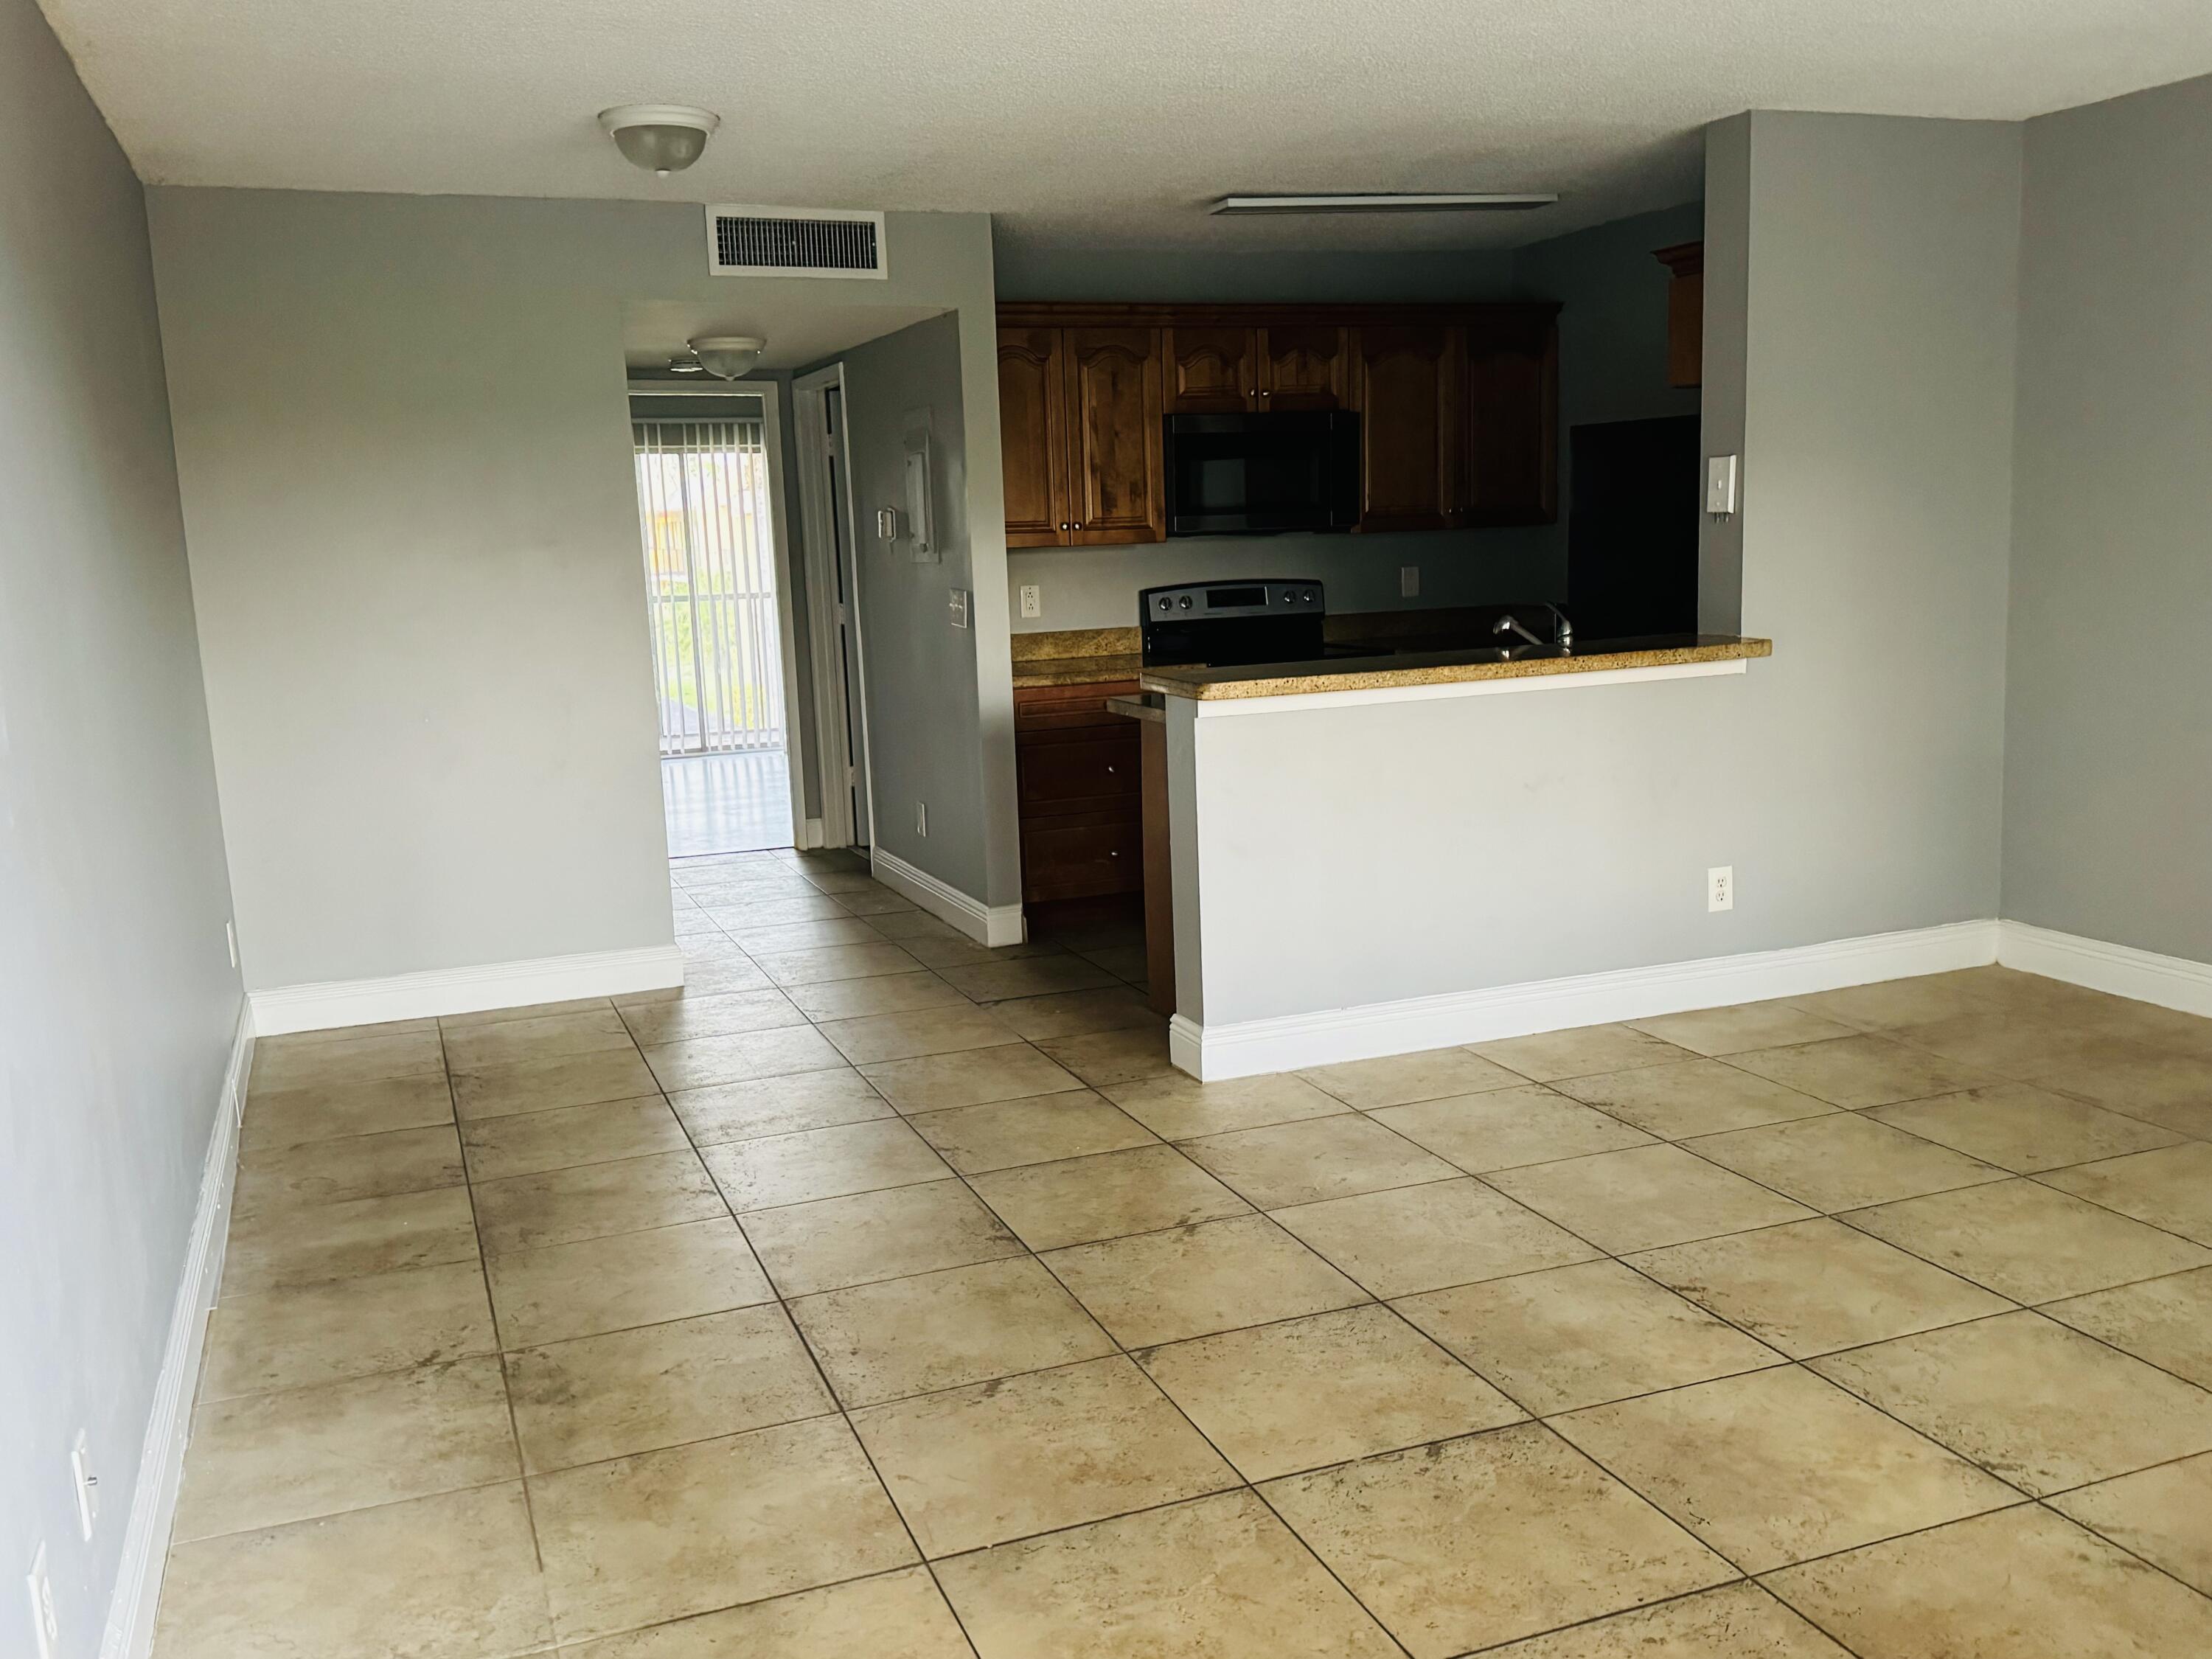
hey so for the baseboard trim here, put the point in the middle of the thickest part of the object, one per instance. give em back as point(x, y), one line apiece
point(2120, 970)
point(334, 1003)
point(131, 1609)
point(987, 924)
point(1287, 1042)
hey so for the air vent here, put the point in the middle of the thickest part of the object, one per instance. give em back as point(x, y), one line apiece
point(757, 241)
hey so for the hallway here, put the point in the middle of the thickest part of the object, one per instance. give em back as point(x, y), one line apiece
point(732, 803)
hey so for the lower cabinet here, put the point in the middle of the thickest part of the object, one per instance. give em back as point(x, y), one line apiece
point(1079, 775)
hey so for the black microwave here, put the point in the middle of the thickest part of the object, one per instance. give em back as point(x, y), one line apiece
point(1257, 475)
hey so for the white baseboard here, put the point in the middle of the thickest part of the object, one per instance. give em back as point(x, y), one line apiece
point(1287, 1042)
point(2120, 970)
point(130, 1632)
point(810, 833)
point(466, 990)
point(987, 924)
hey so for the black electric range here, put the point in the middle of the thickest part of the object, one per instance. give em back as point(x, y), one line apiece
point(1226, 624)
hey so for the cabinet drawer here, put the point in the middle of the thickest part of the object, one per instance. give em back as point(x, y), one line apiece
point(1062, 776)
point(1054, 707)
point(1081, 859)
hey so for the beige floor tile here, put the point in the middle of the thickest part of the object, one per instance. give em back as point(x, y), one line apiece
point(2167, 1321)
point(2170, 1187)
point(638, 1390)
point(999, 1461)
point(1164, 1286)
point(1733, 1030)
point(778, 1106)
point(1692, 1098)
point(1005, 1133)
point(835, 1242)
point(940, 1330)
point(2028, 1241)
point(1177, 1107)
point(684, 1019)
point(290, 1039)
point(322, 1172)
point(1027, 976)
point(2163, 1514)
point(1899, 1002)
point(763, 938)
point(1581, 1051)
point(1425, 1237)
point(1118, 1057)
point(710, 968)
point(1814, 1287)
point(795, 1168)
point(1321, 1157)
point(1219, 1578)
point(2004, 1586)
point(1324, 1390)
point(348, 1241)
point(1479, 1541)
point(1509, 1127)
point(474, 1048)
point(1843, 1162)
point(1736, 1621)
point(1401, 1079)
point(666, 1533)
point(286, 1117)
point(918, 1032)
point(739, 1058)
point(936, 1082)
point(886, 993)
point(2164, 1028)
point(894, 1615)
point(833, 961)
point(2020, 1044)
point(876, 901)
point(282, 1063)
point(2032, 1400)
point(624, 1279)
point(2172, 1089)
point(1078, 1013)
point(1858, 1072)
point(559, 1206)
point(529, 1143)
point(900, 926)
point(264, 1459)
point(950, 948)
point(449, 1577)
point(1777, 1465)
point(1576, 1336)
point(1645, 1198)
point(2022, 1128)
point(813, 907)
point(1082, 1200)
point(539, 1085)
point(292, 1339)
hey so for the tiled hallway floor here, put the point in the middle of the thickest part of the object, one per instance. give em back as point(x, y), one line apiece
point(879, 1296)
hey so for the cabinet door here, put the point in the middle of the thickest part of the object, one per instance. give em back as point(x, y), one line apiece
point(1407, 382)
point(1513, 422)
point(1209, 370)
point(1116, 481)
point(1303, 366)
point(1033, 436)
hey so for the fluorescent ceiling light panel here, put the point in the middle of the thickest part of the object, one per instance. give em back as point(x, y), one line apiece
point(1439, 201)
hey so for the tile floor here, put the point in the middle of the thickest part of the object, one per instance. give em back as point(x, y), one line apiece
point(883, 1296)
point(737, 803)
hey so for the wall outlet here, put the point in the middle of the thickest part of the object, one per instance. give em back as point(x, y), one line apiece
point(1720, 887)
point(921, 818)
point(88, 1486)
point(1409, 580)
point(1721, 475)
point(230, 941)
point(44, 1626)
point(1032, 599)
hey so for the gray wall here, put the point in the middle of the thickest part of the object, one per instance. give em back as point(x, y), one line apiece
point(118, 1001)
point(2108, 799)
point(407, 480)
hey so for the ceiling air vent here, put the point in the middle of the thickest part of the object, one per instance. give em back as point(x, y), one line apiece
point(760, 241)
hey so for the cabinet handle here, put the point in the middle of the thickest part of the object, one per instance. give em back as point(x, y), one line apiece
point(1109, 771)
point(1113, 853)
point(1267, 394)
point(1063, 526)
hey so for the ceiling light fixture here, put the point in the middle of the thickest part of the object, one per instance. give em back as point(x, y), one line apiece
point(1447, 201)
point(686, 366)
point(663, 138)
point(725, 356)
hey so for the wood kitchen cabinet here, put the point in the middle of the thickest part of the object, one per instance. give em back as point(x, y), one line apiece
point(1305, 365)
point(1512, 429)
point(1032, 435)
point(1685, 311)
point(1079, 434)
point(1078, 777)
point(1210, 368)
point(1406, 384)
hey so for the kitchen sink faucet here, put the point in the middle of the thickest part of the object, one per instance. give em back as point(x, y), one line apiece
point(1563, 630)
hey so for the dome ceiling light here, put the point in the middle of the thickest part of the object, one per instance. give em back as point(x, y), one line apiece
point(663, 138)
point(726, 357)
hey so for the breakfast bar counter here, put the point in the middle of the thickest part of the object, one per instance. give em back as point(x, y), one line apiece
point(1666, 656)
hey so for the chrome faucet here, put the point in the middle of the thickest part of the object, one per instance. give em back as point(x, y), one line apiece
point(1563, 634)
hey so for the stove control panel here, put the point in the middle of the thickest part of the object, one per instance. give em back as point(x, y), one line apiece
point(1196, 601)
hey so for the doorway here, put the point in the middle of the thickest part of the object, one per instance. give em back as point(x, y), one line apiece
point(833, 607)
point(718, 612)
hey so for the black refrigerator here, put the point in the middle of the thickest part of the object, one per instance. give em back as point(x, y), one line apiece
point(1632, 509)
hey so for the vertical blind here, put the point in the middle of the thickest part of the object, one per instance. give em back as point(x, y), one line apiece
point(702, 499)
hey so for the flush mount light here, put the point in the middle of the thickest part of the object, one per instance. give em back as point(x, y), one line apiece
point(725, 356)
point(1447, 201)
point(663, 138)
point(686, 366)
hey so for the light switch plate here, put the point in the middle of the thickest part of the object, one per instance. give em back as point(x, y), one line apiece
point(958, 605)
point(1720, 472)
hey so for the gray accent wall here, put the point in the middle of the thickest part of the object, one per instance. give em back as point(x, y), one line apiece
point(2108, 798)
point(118, 1001)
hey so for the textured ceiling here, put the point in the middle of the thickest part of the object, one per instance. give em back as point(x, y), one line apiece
point(1107, 124)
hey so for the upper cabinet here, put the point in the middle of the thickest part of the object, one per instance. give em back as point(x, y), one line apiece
point(1305, 365)
point(1210, 368)
point(1685, 311)
point(1032, 439)
point(1512, 421)
point(1118, 485)
point(1406, 386)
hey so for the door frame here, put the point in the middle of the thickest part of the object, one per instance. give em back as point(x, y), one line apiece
point(786, 634)
point(833, 721)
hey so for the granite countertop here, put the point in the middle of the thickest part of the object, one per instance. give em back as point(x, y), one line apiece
point(1076, 671)
point(1144, 706)
point(1385, 669)
point(1076, 656)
